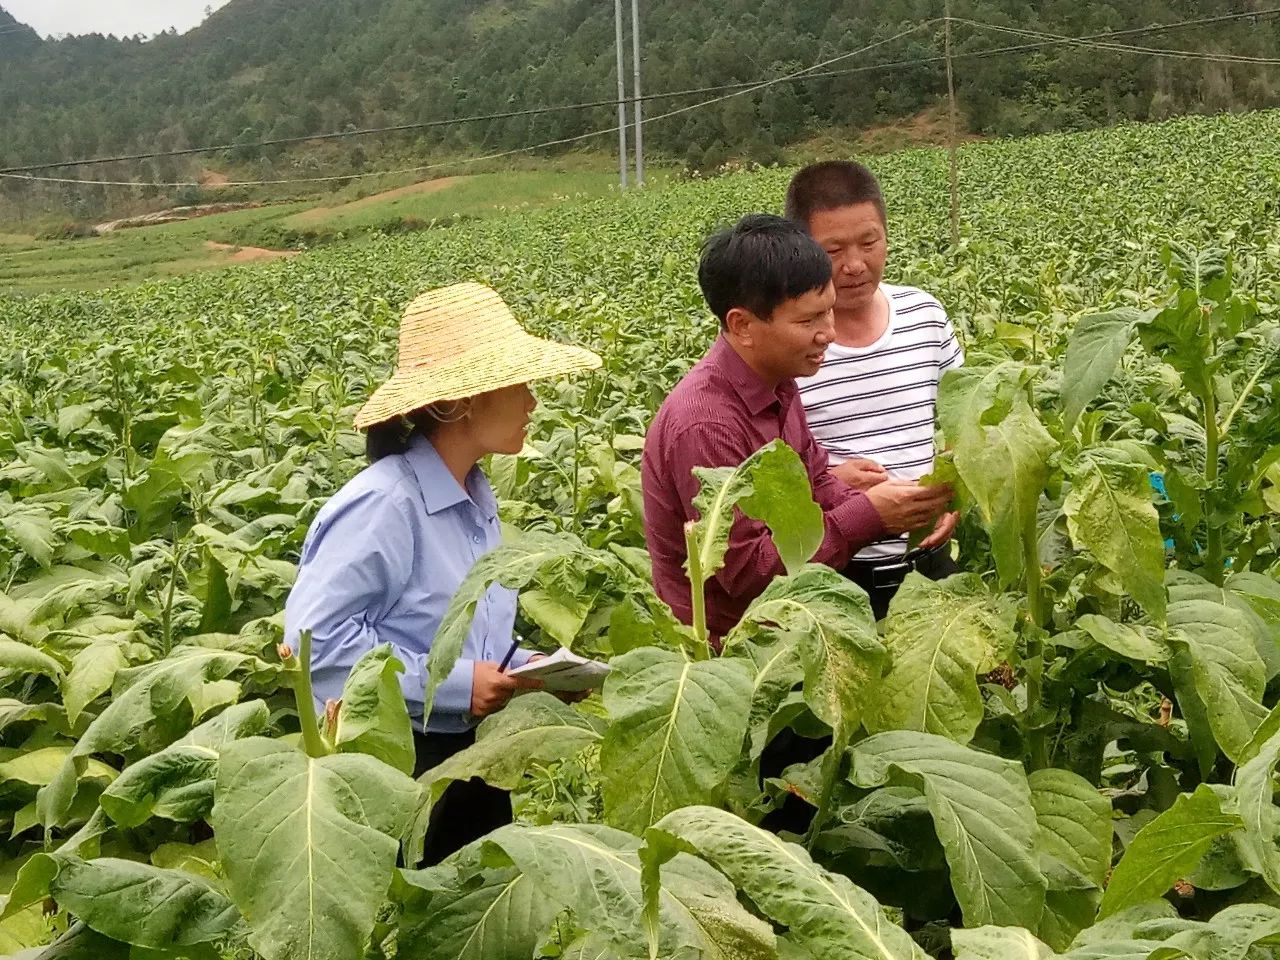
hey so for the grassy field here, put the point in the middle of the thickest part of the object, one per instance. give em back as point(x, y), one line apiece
point(28, 265)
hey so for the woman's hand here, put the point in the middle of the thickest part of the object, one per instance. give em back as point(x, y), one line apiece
point(564, 696)
point(491, 688)
point(859, 473)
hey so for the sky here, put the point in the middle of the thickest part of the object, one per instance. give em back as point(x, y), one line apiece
point(121, 17)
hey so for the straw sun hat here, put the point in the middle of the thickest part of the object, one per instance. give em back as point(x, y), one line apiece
point(459, 341)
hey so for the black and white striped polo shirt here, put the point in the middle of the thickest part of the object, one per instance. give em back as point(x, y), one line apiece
point(877, 402)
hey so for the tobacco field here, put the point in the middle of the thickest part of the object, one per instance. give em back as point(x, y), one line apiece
point(1067, 750)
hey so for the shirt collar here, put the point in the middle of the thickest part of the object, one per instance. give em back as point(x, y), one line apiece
point(746, 382)
point(440, 490)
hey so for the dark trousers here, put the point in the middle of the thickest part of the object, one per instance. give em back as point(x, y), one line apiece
point(468, 809)
point(881, 580)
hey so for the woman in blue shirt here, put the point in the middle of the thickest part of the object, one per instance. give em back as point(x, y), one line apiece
point(388, 551)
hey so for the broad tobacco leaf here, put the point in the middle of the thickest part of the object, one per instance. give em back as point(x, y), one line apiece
point(143, 905)
point(940, 636)
point(1167, 849)
point(1255, 789)
point(1001, 454)
point(829, 620)
point(826, 914)
point(596, 872)
point(1073, 837)
point(533, 555)
point(998, 943)
point(771, 486)
point(533, 728)
point(1227, 673)
point(983, 815)
point(676, 729)
point(177, 783)
point(373, 717)
point(461, 911)
point(146, 704)
point(93, 671)
point(1110, 513)
point(1098, 342)
point(308, 845)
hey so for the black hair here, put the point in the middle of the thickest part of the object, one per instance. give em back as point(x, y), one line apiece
point(829, 186)
point(758, 263)
point(394, 436)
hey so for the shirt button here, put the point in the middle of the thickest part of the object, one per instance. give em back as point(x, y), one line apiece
point(475, 539)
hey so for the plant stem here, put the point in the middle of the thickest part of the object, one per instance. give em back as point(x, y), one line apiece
point(830, 774)
point(1037, 616)
point(1213, 532)
point(698, 589)
point(300, 680)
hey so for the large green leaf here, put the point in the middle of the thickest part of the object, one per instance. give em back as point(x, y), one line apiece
point(1110, 513)
point(1167, 849)
point(93, 671)
point(148, 707)
point(31, 528)
point(771, 486)
point(824, 912)
point(1073, 838)
point(533, 728)
point(982, 811)
point(141, 904)
point(177, 783)
point(596, 872)
point(25, 658)
point(998, 943)
point(513, 565)
point(467, 913)
point(373, 717)
point(829, 620)
point(1098, 341)
point(308, 845)
point(940, 636)
point(1255, 789)
point(1134, 642)
point(1227, 673)
point(676, 728)
point(1001, 453)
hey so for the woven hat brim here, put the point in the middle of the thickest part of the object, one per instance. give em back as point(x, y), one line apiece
point(497, 365)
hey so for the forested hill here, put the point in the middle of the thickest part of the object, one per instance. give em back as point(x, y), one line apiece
point(277, 68)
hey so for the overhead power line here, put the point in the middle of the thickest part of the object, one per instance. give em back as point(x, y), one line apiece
point(1048, 40)
point(504, 153)
point(1042, 40)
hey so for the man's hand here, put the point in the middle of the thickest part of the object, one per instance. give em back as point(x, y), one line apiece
point(942, 531)
point(904, 505)
point(491, 688)
point(859, 473)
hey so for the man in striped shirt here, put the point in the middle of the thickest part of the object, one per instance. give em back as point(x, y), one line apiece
point(871, 403)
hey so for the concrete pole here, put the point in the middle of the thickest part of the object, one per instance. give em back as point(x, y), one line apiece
point(622, 97)
point(635, 76)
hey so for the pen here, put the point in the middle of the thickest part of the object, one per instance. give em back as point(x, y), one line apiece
point(515, 642)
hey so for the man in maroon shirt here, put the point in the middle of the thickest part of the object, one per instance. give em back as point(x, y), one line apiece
point(770, 286)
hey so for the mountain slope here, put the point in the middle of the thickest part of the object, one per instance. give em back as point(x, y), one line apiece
point(278, 68)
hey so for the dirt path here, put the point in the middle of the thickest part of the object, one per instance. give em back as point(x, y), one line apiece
point(248, 254)
point(319, 214)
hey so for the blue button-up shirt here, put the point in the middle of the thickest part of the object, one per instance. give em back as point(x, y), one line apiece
point(380, 564)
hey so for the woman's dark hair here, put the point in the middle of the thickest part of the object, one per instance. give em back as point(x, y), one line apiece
point(759, 263)
point(831, 185)
point(394, 436)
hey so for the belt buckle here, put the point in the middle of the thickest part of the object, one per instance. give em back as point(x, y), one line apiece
point(890, 574)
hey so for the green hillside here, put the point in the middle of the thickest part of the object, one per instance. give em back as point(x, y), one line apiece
point(282, 68)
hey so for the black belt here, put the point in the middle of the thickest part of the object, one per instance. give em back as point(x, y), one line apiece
point(883, 575)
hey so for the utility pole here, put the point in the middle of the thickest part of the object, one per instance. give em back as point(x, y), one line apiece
point(635, 74)
point(622, 98)
point(951, 136)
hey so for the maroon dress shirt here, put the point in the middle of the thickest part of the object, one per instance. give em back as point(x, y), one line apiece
point(717, 416)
